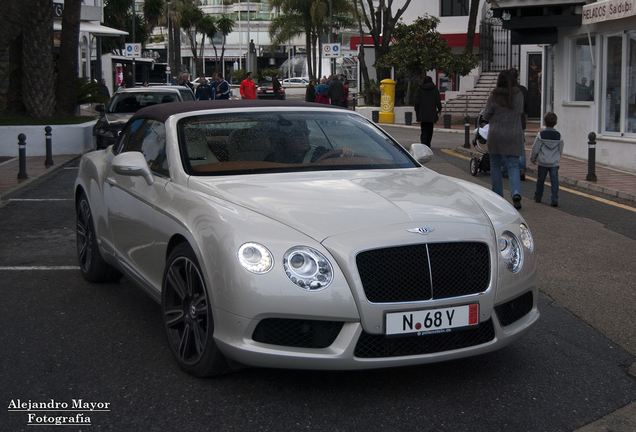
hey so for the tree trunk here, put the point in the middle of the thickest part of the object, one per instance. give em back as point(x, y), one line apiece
point(15, 101)
point(472, 24)
point(38, 81)
point(67, 66)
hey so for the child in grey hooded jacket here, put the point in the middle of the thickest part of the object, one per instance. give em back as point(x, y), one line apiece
point(546, 153)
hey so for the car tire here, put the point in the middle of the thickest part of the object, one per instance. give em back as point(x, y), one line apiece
point(187, 315)
point(473, 166)
point(92, 265)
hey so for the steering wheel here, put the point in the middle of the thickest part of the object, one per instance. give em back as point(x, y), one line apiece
point(330, 154)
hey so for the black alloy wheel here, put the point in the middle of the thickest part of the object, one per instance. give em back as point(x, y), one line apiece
point(188, 316)
point(92, 265)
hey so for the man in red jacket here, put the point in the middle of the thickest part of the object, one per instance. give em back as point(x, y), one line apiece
point(248, 87)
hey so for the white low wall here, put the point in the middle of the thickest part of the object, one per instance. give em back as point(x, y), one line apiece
point(65, 139)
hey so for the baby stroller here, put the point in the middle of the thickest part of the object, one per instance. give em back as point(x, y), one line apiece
point(481, 163)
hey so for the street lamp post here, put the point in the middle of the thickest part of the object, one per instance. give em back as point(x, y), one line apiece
point(168, 47)
point(329, 35)
point(133, 41)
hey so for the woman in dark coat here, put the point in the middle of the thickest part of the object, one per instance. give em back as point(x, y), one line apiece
point(505, 137)
point(428, 106)
point(310, 95)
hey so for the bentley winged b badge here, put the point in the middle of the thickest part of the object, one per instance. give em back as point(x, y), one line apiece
point(423, 231)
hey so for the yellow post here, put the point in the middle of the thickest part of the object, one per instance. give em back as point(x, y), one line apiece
point(387, 101)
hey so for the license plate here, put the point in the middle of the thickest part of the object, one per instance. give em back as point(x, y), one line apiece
point(432, 320)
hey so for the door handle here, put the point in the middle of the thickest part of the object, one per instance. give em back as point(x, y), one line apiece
point(111, 181)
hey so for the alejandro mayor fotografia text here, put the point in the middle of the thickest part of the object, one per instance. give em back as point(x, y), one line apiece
point(57, 413)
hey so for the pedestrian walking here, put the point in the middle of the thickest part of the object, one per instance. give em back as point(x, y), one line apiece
point(248, 87)
point(310, 93)
point(204, 91)
point(222, 88)
point(276, 85)
point(428, 106)
point(522, 159)
point(345, 98)
point(546, 153)
point(185, 82)
point(104, 90)
point(322, 92)
point(503, 113)
point(129, 80)
point(336, 91)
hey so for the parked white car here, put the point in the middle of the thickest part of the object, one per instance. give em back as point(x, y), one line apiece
point(295, 82)
point(295, 235)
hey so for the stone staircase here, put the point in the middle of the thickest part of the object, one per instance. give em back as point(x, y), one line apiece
point(473, 101)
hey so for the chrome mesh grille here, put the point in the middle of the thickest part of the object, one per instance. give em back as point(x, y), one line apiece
point(424, 272)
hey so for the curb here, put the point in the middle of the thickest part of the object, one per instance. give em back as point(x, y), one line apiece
point(565, 180)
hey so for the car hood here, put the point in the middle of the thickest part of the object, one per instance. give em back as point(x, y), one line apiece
point(118, 120)
point(333, 203)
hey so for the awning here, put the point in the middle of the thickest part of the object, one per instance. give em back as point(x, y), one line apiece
point(608, 10)
point(92, 27)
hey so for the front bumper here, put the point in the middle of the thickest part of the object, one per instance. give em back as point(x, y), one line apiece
point(353, 348)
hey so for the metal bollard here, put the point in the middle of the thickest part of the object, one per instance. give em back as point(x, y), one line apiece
point(355, 97)
point(408, 118)
point(49, 150)
point(447, 121)
point(375, 116)
point(467, 131)
point(22, 174)
point(591, 157)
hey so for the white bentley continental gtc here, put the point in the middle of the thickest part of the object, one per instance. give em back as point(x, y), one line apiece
point(295, 235)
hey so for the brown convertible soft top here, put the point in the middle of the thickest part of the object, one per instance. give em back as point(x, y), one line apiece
point(161, 112)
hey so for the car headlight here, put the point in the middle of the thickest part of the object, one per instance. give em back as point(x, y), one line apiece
point(255, 258)
point(510, 251)
point(106, 132)
point(526, 237)
point(307, 268)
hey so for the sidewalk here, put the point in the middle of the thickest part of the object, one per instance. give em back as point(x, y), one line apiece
point(35, 170)
point(572, 172)
point(610, 183)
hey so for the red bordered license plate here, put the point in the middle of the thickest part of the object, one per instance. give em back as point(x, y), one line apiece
point(432, 320)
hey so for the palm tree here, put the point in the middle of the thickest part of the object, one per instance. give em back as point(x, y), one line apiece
point(225, 25)
point(66, 89)
point(207, 26)
point(311, 18)
point(154, 12)
point(37, 77)
point(191, 15)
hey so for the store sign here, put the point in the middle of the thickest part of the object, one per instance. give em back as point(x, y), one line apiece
point(608, 10)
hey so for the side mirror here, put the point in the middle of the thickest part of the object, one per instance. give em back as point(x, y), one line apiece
point(132, 164)
point(100, 108)
point(421, 152)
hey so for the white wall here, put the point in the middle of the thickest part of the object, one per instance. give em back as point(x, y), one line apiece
point(65, 139)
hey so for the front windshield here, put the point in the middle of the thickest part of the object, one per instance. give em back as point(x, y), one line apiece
point(133, 102)
point(251, 142)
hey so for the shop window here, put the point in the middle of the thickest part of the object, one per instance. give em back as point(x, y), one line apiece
point(618, 109)
point(613, 83)
point(454, 7)
point(583, 71)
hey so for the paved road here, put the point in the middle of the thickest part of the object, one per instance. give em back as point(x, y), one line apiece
point(64, 339)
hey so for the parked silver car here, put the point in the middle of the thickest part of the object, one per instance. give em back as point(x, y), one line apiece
point(295, 235)
point(124, 103)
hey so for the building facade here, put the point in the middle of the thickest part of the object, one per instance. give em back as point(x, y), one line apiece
point(589, 72)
